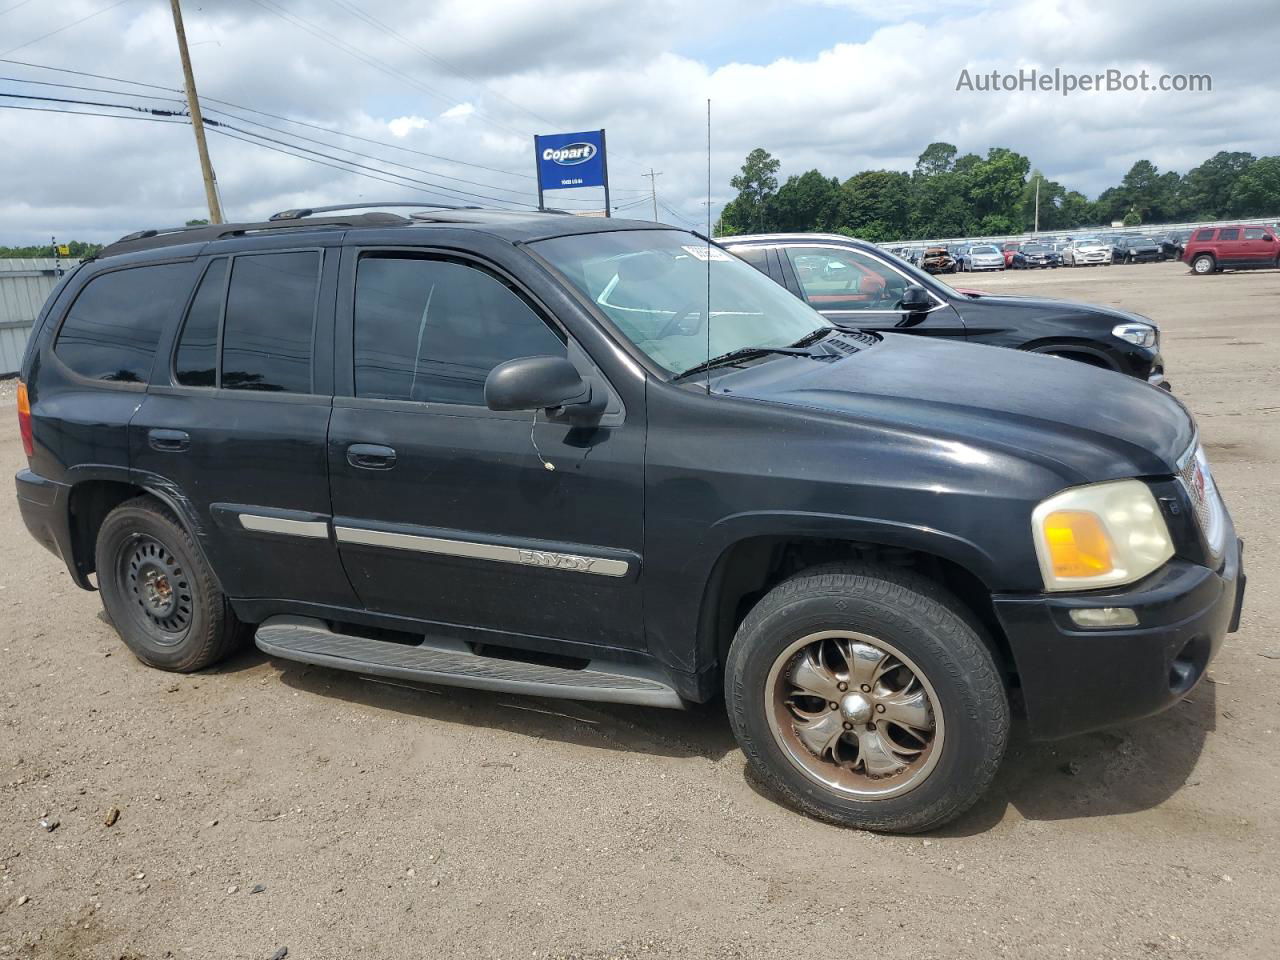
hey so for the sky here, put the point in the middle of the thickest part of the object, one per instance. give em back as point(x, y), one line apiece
point(454, 90)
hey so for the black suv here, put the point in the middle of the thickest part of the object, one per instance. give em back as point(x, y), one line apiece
point(859, 286)
point(607, 460)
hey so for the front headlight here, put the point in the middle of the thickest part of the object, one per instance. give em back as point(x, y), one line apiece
point(1142, 334)
point(1101, 535)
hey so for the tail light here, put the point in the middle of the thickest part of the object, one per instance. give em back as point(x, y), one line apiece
point(24, 420)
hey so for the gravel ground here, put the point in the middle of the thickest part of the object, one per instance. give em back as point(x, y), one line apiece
point(376, 820)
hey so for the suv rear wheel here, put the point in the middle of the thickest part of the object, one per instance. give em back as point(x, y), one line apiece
point(865, 695)
point(1203, 264)
point(159, 592)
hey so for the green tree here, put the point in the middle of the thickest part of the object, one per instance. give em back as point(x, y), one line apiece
point(877, 204)
point(1257, 192)
point(756, 185)
point(809, 201)
point(937, 158)
point(1206, 189)
point(994, 188)
point(197, 223)
point(1076, 211)
point(1132, 218)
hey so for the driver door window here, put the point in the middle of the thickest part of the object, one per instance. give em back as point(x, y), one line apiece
point(846, 280)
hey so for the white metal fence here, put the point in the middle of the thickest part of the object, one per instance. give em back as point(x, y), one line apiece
point(24, 286)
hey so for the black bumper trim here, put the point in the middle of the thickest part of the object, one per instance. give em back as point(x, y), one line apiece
point(1076, 680)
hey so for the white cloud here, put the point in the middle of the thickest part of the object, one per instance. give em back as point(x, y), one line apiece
point(459, 112)
point(403, 126)
point(522, 67)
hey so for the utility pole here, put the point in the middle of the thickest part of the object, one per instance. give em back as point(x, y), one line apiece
point(1037, 227)
point(197, 119)
point(653, 189)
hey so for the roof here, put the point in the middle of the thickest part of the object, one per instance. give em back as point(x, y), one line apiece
point(792, 238)
point(516, 226)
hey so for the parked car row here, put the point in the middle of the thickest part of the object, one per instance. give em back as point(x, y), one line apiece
point(859, 286)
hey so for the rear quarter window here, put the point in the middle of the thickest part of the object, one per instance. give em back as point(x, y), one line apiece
point(112, 330)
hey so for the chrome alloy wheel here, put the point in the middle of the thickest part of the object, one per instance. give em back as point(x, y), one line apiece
point(854, 714)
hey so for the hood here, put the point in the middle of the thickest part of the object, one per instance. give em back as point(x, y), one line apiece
point(1086, 423)
point(1049, 308)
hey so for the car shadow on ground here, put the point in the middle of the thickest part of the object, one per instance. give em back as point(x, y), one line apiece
point(1123, 770)
point(702, 730)
point(1110, 772)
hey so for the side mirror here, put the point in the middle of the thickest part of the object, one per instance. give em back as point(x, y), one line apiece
point(915, 299)
point(1269, 238)
point(541, 383)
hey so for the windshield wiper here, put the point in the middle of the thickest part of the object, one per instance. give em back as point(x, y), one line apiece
point(813, 336)
point(736, 356)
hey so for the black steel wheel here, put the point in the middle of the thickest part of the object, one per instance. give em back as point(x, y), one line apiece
point(159, 590)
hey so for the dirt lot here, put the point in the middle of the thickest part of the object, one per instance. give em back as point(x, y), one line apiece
point(387, 822)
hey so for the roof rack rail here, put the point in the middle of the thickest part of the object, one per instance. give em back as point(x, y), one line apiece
point(300, 212)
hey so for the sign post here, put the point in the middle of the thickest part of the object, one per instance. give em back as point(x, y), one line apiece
point(569, 160)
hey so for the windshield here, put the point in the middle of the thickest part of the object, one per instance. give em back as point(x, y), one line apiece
point(984, 249)
point(653, 285)
point(1034, 248)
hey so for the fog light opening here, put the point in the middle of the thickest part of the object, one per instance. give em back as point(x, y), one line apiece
point(1104, 617)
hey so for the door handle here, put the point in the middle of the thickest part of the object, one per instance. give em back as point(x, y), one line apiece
point(371, 456)
point(168, 441)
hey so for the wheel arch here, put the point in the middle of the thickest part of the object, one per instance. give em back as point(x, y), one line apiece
point(750, 566)
point(1072, 350)
point(93, 496)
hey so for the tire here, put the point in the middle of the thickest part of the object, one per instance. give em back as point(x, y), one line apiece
point(1203, 265)
point(909, 621)
point(159, 591)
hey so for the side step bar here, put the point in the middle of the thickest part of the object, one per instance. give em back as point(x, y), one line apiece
point(450, 662)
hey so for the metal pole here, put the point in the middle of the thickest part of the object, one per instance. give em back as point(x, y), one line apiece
point(197, 119)
point(604, 169)
point(1037, 226)
point(537, 165)
point(653, 190)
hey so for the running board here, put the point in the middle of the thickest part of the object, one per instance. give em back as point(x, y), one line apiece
point(450, 662)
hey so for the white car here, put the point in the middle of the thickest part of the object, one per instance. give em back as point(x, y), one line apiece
point(985, 256)
point(1086, 251)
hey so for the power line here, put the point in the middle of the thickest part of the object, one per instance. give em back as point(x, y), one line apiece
point(88, 113)
point(375, 22)
point(74, 86)
point(303, 123)
point(369, 60)
point(73, 23)
point(20, 3)
point(94, 103)
point(357, 173)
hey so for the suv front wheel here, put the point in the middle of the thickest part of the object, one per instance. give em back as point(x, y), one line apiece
point(865, 696)
point(159, 592)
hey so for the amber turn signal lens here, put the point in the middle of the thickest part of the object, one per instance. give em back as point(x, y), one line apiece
point(24, 419)
point(1078, 544)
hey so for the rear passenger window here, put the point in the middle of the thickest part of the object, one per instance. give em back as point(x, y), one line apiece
point(431, 330)
point(1230, 233)
point(113, 327)
point(756, 256)
point(196, 363)
point(269, 322)
point(1204, 234)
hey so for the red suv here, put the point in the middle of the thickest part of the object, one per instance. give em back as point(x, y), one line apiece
point(1231, 248)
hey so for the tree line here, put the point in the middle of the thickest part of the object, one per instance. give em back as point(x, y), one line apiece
point(78, 250)
point(949, 194)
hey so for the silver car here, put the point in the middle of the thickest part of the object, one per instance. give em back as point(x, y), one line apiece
point(1087, 251)
point(983, 256)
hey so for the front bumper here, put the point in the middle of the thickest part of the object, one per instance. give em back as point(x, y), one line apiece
point(1075, 680)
